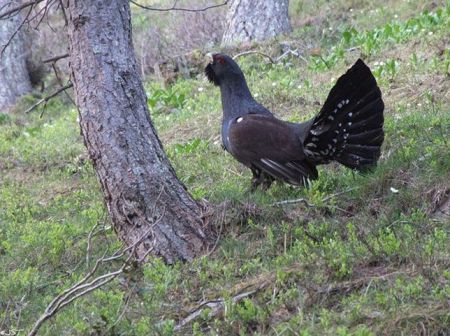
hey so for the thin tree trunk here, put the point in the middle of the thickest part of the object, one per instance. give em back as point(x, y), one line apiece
point(255, 20)
point(14, 78)
point(142, 193)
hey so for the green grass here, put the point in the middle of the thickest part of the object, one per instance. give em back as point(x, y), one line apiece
point(369, 255)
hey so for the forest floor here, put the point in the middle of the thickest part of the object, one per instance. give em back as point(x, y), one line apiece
point(351, 255)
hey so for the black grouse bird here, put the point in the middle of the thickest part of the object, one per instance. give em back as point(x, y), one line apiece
point(348, 128)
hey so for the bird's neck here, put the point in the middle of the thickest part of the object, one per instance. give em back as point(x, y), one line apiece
point(236, 98)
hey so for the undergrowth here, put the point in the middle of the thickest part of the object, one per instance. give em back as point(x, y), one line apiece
point(351, 255)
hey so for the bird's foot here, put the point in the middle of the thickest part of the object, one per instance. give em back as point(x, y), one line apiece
point(265, 181)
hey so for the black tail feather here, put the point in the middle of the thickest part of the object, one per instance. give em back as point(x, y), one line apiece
point(372, 138)
point(349, 127)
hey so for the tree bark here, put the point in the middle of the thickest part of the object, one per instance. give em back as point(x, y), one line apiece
point(14, 78)
point(142, 193)
point(255, 20)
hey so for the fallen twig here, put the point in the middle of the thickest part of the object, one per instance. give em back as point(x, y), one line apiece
point(217, 305)
point(292, 201)
point(303, 200)
point(254, 52)
point(84, 287)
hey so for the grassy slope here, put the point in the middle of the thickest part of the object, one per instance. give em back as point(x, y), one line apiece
point(363, 259)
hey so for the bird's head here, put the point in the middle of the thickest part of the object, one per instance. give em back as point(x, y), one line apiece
point(222, 68)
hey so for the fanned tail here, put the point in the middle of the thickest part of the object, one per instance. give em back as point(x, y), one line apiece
point(349, 127)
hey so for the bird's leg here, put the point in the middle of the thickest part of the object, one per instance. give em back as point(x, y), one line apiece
point(256, 180)
point(266, 181)
point(260, 179)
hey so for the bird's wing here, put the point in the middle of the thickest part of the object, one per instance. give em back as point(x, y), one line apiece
point(271, 145)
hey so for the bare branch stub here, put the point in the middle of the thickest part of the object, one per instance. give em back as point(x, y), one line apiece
point(175, 8)
point(55, 58)
point(46, 99)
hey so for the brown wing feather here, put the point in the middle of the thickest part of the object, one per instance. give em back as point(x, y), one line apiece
point(270, 145)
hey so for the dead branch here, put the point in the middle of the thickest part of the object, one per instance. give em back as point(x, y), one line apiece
point(175, 8)
point(7, 14)
point(46, 99)
point(254, 52)
point(44, 11)
point(84, 287)
point(56, 71)
point(16, 31)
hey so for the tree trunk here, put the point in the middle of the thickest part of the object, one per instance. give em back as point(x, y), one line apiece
point(14, 79)
point(255, 20)
point(142, 193)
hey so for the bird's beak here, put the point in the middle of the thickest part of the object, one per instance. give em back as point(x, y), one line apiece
point(209, 57)
point(209, 70)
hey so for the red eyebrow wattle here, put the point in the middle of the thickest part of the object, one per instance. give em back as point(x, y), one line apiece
point(218, 58)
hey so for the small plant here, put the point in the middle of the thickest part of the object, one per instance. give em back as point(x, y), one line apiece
point(4, 118)
point(391, 68)
point(166, 100)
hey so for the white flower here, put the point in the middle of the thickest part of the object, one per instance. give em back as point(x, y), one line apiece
point(395, 191)
point(200, 89)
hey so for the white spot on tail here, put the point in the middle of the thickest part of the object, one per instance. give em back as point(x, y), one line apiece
point(330, 118)
point(349, 123)
point(350, 114)
point(347, 101)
